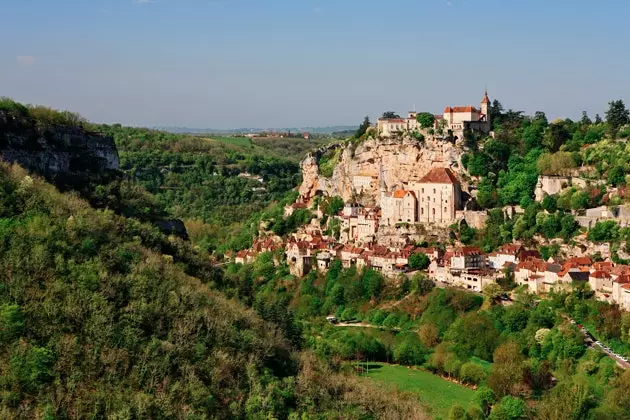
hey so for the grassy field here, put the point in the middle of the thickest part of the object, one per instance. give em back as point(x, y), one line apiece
point(435, 393)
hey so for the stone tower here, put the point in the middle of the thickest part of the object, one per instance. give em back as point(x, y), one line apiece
point(485, 103)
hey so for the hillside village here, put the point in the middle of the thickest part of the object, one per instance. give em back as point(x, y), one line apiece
point(405, 186)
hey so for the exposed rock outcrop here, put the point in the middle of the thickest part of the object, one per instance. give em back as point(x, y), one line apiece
point(56, 151)
point(398, 160)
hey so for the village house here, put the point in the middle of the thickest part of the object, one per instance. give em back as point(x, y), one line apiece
point(298, 258)
point(510, 254)
point(359, 224)
point(467, 258)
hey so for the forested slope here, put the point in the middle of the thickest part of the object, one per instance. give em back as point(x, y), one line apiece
point(96, 320)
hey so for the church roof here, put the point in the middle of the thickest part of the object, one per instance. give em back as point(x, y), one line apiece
point(485, 99)
point(460, 109)
point(402, 193)
point(440, 176)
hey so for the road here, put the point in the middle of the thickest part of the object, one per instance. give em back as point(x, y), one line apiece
point(363, 325)
point(594, 344)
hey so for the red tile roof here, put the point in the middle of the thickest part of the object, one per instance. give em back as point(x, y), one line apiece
point(402, 193)
point(600, 275)
point(485, 99)
point(440, 176)
point(460, 109)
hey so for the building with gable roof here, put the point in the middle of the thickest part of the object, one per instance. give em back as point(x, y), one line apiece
point(439, 196)
point(455, 118)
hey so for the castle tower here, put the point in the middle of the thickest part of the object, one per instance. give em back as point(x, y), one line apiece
point(485, 103)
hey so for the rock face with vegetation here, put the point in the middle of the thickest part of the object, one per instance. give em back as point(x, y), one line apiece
point(401, 160)
point(53, 149)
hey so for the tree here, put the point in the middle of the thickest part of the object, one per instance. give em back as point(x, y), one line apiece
point(419, 261)
point(617, 115)
point(507, 370)
point(598, 119)
point(616, 176)
point(390, 115)
point(426, 120)
point(579, 200)
point(550, 203)
point(585, 119)
point(560, 163)
point(555, 136)
point(605, 231)
point(429, 334)
point(363, 127)
point(492, 291)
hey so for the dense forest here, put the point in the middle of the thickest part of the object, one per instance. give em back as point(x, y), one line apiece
point(196, 178)
point(103, 316)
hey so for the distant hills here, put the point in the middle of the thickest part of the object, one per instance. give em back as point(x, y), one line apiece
point(312, 130)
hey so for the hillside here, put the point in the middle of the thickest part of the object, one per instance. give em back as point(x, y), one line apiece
point(101, 316)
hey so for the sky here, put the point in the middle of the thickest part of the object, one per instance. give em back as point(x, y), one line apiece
point(298, 63)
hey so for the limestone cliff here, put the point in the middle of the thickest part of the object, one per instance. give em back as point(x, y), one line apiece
point(55, 151)
point(358, 168)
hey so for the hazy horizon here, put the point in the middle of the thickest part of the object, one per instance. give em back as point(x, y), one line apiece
point(226, 64)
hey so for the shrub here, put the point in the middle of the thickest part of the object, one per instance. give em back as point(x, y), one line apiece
point(472, 373)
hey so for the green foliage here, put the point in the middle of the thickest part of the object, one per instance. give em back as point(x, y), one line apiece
point(606, 231)
point(472, 373)
point(328, 162)
point(363, 128)
point(617, 115)
point(419, 261)
point(426, 120)
point(11, 323)
point(410, 351)
point(616, 176)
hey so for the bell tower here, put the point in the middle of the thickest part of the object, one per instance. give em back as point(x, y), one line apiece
point(485, 103)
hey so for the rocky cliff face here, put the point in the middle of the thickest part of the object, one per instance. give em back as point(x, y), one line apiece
point(399, 161)
point(57, 151)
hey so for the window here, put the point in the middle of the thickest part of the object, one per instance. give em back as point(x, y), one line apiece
point(422, 211)
point(445, 211)
point(433, 190)
point(423, 191)
point(434, 212)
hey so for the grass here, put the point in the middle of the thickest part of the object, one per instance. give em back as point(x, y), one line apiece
point(437, 394)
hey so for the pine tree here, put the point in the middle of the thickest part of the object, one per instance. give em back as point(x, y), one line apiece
point(598, 119)
point(617, 115)
point(363, 127)
point(585, 119)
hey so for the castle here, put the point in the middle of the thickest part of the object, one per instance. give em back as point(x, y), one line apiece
point(456, 119)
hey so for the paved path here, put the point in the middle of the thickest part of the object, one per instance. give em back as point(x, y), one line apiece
point(363, 325)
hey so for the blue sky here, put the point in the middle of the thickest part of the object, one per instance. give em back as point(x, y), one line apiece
point(275, 63)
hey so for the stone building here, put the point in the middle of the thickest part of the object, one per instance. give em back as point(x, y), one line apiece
point(439, 196)
point(359, 224)
point(434, 199)
point(456, 119)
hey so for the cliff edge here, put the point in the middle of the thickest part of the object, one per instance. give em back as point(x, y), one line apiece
point(55, 151)
point(355, 170)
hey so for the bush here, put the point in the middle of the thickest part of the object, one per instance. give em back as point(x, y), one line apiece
point(472, 373)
